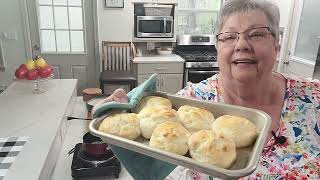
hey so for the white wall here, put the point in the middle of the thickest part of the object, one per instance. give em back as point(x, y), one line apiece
point(14, 52)
point(115, 24)
point(284, 6)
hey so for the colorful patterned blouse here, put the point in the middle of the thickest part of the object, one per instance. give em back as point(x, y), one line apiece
point(299, 157)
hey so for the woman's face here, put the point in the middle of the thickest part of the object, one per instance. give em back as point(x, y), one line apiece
point(247, 59)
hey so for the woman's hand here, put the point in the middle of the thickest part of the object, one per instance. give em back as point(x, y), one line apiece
point(119, 95)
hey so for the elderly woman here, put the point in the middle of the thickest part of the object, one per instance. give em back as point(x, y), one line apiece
point(247, 43)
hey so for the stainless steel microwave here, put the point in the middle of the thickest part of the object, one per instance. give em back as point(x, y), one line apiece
point(154, 27)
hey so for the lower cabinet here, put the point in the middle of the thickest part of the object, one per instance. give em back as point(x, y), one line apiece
point(170, 83)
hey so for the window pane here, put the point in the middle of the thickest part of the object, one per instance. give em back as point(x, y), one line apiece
point(45, 17)
point(75, 2)
point(63, 41)
point(60, 2)
point(45, 2)
point(61, 17)
point(77, 43)
point(199, 4)
point(47, 41)
point(196, 23)
point(75, 17)
point(214, 4)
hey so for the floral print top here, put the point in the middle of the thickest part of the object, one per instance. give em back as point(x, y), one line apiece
point(299, 156)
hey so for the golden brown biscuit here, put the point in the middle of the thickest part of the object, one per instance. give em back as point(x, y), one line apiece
point(152, 101)
point(240, 129)
point(125, 125)
point(170, 136)
point(195, 119)
point(209, 147)
point(151, 117)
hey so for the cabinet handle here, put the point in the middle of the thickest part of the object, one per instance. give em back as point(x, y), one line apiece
point(162, 83)
point(161, 69)
point(158, 84)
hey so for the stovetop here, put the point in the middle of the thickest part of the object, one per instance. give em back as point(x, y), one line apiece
point(84, 165)
point(198, 56)
point(197, 53)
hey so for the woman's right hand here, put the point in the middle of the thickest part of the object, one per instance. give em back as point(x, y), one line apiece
point(119, 95)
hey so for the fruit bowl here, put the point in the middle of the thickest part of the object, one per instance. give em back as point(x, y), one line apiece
point(36, 71)
point(37, 84)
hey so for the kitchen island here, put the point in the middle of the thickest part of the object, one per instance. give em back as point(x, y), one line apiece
point(42, 119)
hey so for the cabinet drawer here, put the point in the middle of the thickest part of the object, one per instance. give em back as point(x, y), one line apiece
point(150, 68)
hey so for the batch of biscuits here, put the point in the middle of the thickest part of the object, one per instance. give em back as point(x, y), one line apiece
point(188, 131)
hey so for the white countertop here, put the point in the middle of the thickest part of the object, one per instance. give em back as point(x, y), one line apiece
point(41, 117)
point(158, 59)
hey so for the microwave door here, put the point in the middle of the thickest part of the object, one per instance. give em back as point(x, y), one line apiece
point(152, 26)
point(168, 28)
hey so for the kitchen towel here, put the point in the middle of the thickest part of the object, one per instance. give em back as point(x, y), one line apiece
point(134, 97)
point(9, 150)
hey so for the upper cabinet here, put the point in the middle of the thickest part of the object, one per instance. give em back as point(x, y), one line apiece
point(197, 16)
point(156, 1)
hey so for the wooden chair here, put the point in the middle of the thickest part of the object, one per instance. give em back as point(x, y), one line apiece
point(117, 65)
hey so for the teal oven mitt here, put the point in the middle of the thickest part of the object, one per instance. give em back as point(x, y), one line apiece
point(139, 166)
point(134, 96)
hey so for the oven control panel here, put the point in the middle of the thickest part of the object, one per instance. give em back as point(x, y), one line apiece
point(200, 39)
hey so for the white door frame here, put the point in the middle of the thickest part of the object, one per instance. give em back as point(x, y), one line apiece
point(26, 29)
point(28, 42)
point(287, 52)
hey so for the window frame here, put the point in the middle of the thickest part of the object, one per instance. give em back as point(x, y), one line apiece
point(197, 11)
point(38, 5)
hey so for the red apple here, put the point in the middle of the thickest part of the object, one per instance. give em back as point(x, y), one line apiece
point(23, 66)
point(21, 73)
point(45, 72)
point(32, 75)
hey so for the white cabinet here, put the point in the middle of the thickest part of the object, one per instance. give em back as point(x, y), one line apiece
point(170, 75)
point(170, 83)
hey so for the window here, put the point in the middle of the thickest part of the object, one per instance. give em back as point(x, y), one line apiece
point(61, 26)
point(197, 16)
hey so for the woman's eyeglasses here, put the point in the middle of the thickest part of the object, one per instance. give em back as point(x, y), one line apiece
point(252, 35)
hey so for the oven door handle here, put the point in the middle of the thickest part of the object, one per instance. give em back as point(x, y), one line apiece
point(202, 72)
point(164, 25)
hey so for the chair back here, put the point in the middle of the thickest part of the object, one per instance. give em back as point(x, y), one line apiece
point(117, 56)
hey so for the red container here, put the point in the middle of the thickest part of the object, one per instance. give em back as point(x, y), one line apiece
point(94, 146)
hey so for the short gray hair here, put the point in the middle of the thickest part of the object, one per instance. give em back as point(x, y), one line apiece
point(234, 6)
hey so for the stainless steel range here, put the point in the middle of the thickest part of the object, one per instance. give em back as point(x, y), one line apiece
point(200, 55)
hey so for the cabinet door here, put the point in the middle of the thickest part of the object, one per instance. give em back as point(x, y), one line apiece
point(142, 78)
point(171, 83)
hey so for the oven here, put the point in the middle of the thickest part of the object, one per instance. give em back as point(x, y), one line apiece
point(200, 57)
point(196, 75)
point(198, 71)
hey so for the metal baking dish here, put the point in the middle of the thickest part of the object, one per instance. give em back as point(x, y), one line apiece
point(247, 158)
